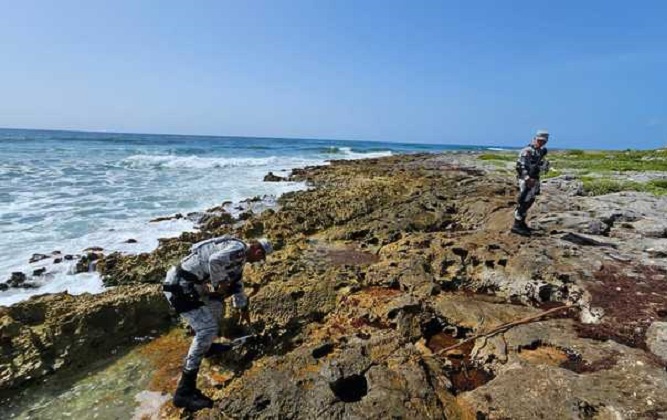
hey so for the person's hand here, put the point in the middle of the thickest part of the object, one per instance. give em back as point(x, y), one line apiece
point(545, 166)
point(530, 182)
point(239, 300)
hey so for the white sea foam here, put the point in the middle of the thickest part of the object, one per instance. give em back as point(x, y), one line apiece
point(194, 162)
point(349, 154)
point(69, 203)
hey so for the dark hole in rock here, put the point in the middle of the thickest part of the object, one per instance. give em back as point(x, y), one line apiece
point(350, 389)
point(340, 285)
point(462, 253)
point(545, 292)
point(394, 284)
point(322, 350)
point(564, 277)
point(431, 328)
point(532, 346)
point(452, 284)
point(490, 263)
point(359, 234)
point(317, 316)
point(262, 404)
point(662, 313)
point(297, 294)
point(502, 262)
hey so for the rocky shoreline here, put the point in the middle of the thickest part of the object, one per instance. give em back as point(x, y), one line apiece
point(380, 267)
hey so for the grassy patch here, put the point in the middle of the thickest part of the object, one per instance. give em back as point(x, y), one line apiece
point(601, 186)
point(592, 166)
point(553, 173)
point(597, 161)
point(608, 161)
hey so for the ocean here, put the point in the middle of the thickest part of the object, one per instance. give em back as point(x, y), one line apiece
point(65, 191)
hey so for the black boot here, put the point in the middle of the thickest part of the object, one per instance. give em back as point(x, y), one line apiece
point(187, 395)
point(520, 228)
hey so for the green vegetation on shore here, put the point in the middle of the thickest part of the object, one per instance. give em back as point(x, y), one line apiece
point(600, 186)
point(600, 171)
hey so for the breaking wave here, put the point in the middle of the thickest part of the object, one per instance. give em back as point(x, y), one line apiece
point(193, 162)
point(348, 153)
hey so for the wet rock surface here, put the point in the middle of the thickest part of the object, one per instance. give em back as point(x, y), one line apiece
point(380, 269)
point(51, 332)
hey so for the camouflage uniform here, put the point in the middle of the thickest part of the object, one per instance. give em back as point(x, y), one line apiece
point(530, 164)
point(218, 262)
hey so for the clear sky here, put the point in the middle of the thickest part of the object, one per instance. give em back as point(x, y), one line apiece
point(467, 72)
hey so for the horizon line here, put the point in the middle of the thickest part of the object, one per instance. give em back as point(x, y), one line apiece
point(77, 130)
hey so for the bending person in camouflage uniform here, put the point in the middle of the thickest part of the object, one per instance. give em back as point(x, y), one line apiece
point(530, 164)
point(196, 289)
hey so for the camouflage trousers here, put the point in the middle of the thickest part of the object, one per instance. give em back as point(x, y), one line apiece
point(205, 321)
point(525, 199)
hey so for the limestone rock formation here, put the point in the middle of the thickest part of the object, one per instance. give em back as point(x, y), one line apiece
point(380, 269)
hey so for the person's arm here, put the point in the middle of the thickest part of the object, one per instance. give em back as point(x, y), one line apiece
point(219, 276)
point(523, 163)
point(226, 277)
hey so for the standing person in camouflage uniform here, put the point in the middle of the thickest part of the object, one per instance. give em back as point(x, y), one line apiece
point(196, 289)
point(530, 164)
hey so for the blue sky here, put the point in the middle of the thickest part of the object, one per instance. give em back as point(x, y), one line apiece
point(466, 72)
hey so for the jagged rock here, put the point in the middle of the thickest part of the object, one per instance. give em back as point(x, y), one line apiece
point(342, 337)
point(567, 184)
point(270, 177)
point(88, 261)
point(17, 279)
point(37, 257)
point(39, 271)
point(212, 221)
point(246, 215)
point(44, 334)
point(164, 218)
point(633, 387)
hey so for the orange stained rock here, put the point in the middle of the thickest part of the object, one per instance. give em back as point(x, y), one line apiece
point(544, 355)
point(166, 355)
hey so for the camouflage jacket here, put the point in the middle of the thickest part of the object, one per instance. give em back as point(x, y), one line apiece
point(531, 162)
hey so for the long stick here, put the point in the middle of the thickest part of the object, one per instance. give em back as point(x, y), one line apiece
point(505, 326)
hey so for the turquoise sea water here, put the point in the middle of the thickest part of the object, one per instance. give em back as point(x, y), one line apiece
point(66, 191)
